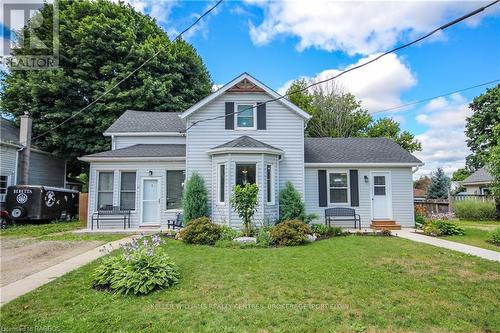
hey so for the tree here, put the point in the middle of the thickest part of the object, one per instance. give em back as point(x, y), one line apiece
point(194, 199)
point(244, 202)
point(291, 205)
point(389, 128)
point(100, 43)
point(493, 167)
point(460, 174)
point(479, 127)
point(440, 185)
point(422, 183)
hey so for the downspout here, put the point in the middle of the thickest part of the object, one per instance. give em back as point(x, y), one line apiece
point(277, 194)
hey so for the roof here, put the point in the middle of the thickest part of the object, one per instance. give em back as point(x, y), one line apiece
point(245, 142)
point(479, 176)
point(418, 192)
point(356, 150)
point(154, 151)
point(9, 133)
point(235, 81)
point(147, 121)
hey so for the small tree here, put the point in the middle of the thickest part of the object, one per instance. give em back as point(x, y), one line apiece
point(440, 185)
point(244, 202)
point(194, 199)
point(291, 205)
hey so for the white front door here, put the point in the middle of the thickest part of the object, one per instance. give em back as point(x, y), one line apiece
point(150, 201)
point(381, 195)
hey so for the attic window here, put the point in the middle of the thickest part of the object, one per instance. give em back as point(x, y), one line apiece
point(245, 116)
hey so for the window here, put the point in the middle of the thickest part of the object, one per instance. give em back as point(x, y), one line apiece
point(379, 185)
point(245, 174)
point(175, 185)
point(4, 182)
point(127, 191)
point(338, 188)
point(269, 184)
point(245, 116)
point(105, 189)
point(221, 184)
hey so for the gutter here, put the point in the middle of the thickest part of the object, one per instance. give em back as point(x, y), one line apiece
point(324, 165)
point(132, 159)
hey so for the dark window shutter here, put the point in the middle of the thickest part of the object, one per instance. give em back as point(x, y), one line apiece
point(229, 115)
point(322, 188)
point(261, 116)
point(354, 183)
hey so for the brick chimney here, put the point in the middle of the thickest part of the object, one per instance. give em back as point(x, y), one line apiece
point(25, 140)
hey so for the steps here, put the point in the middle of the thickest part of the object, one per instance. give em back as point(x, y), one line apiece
point(385, 225)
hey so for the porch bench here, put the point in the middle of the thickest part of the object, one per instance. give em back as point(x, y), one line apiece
point(111, 213)
point(342, 214)
point(177, 223)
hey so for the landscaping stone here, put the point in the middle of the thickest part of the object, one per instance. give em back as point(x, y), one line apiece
point(311, 238)
point(245, 240)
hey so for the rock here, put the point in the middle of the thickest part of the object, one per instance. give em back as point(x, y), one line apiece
point(245, 240)
point(311, 238)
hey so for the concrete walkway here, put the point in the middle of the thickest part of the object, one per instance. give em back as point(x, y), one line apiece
point(29, 283)
point(468, 249)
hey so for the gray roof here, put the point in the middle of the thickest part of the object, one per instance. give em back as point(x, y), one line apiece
point(355, 150)
point(147, 121)
point(143, 150)
point(245, 142)
point(480, 176)
point(9, 133)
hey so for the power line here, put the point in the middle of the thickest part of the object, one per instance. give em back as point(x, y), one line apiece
point(442, 27)
point(131, 73)
point(431, 98)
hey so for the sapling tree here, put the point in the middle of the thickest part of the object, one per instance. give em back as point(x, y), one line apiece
point(244, 202)
point(194, 199)
point(440, 185)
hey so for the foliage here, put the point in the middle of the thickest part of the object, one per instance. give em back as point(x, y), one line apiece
point(474, 209)
point(237, 245)
point(325, 231)
point(389, 128)
point(494, 169)
point(442, 228)
point(291, 205)
point(422, 183)
point(420, 213)
point(228, 233)
point(140, 269)
point(100, 43)
point(479, 128)
point(244, 202)
point(264, 237)
point(201, 231)
point(290, 233)
point(194, 199)
point(460, 174)
point(494, 237)
point(440, 185)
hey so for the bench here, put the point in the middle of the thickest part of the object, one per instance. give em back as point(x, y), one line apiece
point(177, 223)
point(111, 213)
point(342, 214)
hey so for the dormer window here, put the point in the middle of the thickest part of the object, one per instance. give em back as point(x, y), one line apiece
point(245, 116)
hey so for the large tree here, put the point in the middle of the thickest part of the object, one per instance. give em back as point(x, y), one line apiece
point(389, 128)
point(100, 43)
point(479, 127)
point(493, 166)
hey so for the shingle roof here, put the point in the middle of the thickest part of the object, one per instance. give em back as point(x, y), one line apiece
point(245, 142)
point(355, 150)
point(143, 150)
point(480, 176)
point(147, 121)
point(8, 132)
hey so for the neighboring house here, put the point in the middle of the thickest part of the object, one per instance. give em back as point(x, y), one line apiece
point(45, 168)
point(419, 194)
point(478, 183)
point(244, 141)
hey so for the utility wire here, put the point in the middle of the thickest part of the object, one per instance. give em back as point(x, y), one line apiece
point(442, 27)
point(131, 73)
point(431, 98)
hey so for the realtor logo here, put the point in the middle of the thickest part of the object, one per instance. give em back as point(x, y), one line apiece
point(23, 45)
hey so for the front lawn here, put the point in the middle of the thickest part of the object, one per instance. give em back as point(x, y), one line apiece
point(347, 284)
point(39, 229)
point(474, 237)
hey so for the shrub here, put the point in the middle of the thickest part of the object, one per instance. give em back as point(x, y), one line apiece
point(194, 199)
point(228, 233)
point(264, 238)
point(290, 233)
point(244, 202)
point(291, 205)
point(319, 229)
point(494, 237)
point(442, 228)
point(201, 231)
point(140, 269)
point(474, 210)
point(420, 213)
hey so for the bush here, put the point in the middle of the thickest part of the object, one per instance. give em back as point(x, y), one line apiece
point(442, 228)
point(291, 205)
point(201, 231)
point(494, 237)
point(325, 231)
point(474, 210)
point(194, 199)
point(228, 233)
point(264, 238)
point(140, 269)
point(290, 233)
point(244, 202)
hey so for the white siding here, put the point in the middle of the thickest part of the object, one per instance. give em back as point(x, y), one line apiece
point(127, 141)
point(401, 192)
point(8, 156)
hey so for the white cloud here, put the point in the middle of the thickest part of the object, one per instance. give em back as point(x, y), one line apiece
point(378, 85)
point(355, 26)
point(158, 9)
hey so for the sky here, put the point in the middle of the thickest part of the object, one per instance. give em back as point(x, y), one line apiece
point(280, 41)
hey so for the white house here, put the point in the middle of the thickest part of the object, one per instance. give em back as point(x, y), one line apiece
point(479, 183)
point(230, 138)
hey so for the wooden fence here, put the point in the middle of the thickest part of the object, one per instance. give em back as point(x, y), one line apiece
point(434, 206)
point(82, 207)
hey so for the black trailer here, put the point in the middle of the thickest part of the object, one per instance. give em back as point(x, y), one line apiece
point(41, 203)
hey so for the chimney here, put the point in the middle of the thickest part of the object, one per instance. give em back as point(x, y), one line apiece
point(25, 140)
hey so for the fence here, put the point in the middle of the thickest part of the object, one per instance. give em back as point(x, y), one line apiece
point(434, 206)
point(82, 207)
point(476, 197)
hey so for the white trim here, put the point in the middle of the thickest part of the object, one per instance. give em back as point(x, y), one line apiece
point(236, 162)
point(254, 116)
point(334, 165)
point(98, 172)
point(486, 182)
point(272, 190)
point(328, 187)
point(119, 185)
point(243, 76)
point(218, 187)
point(388, 193)
point(164, 207)
point(141, 218)
point(245, 150)
point(112, 134)
point(132, 159)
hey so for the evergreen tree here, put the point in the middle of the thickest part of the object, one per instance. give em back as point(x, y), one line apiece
point(291, 205)
point(440, 185)
point(194, 199)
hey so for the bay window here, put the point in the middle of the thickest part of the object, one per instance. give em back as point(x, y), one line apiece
point(245, 174)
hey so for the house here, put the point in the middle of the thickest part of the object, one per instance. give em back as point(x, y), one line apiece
point(230, 138)
point(478, 183)
point(44, 168)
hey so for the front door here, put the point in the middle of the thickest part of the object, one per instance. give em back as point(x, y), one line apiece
point(381, 196)
point(150, 201)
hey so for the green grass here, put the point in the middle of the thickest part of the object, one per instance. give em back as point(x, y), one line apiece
point(476, 234)
point(485, 225)
point(37, 230)
point(373, 283)
point(69, 236)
